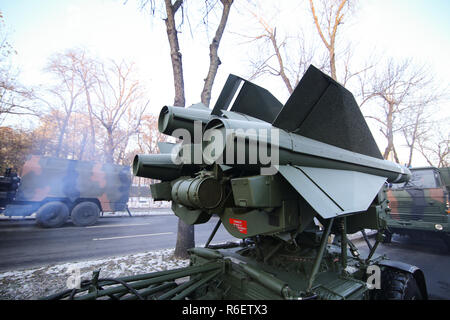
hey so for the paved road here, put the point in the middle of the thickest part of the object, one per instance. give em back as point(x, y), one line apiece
point(23, 244)
point(430, 255)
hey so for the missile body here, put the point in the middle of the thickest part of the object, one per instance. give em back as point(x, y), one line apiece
point(292, 149)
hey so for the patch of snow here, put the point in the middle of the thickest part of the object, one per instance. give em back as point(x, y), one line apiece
point(31, 284)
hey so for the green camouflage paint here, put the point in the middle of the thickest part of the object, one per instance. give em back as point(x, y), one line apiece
point(419, 205)
point(72, 180)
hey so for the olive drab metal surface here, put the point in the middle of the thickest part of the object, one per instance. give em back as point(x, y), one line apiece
point(333, 192)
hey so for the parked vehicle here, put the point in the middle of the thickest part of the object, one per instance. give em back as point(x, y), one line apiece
point(420, 207)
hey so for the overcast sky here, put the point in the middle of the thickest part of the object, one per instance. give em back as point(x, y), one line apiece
point(110, 29)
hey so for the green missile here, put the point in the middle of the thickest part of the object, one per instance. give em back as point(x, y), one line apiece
point(292, 149)
point(173, 118)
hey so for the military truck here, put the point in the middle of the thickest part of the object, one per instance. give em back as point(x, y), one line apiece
point(56, 189)
point(420, 207)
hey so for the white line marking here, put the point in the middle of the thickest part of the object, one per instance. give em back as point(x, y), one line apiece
point(134, 236)
point(118, 225)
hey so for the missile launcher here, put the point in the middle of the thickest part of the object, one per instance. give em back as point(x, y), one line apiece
point(291, 182)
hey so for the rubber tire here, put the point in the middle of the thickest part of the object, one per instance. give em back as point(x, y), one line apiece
point(52, 214)
point(398, 285)
point(85, 214)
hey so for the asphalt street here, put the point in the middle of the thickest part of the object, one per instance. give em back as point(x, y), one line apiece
point(23, 244)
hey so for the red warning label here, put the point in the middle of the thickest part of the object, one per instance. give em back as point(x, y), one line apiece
point(241, 225)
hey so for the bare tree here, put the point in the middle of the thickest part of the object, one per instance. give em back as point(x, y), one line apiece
point(214, 60)
point(149, 135)
point(14, 97)
point(270, 34)
point(120, 105)
point(45, 135)
point(285, 60)
point(327, 20)
point(171, 9)
point(415, 126)
point(278, 53)
point(77, 139)
point(86, 68)
point(15, 145)
point(175, 54)
point(399, 89)
point(435, 145)
point(66, 93)
point(185, 237)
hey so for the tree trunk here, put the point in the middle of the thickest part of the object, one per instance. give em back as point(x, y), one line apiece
point(110, 146)
point(333, 63)
point(390, 134)
point(214, 60)
point(185, 234)
point(332, 31)
point(413, 139)
point(280, 62)
point(175, 54)
point(61, 136)
point(91, 121)
point(82, 146)
point(185, 239)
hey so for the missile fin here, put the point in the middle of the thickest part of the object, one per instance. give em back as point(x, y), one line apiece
point(226, 95)
point(333, 192)
point(252, 100)
point(320, 201)
point(166, 147)
point(322, 109)
point(353, 191)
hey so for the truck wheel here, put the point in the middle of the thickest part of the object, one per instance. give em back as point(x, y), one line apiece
point(85, 214)
point(52, 214)
point(398, 285)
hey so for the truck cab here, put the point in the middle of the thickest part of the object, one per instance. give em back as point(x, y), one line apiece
point(420, 207)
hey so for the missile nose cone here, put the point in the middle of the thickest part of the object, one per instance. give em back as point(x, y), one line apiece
point(135, 164)
point(164, 118)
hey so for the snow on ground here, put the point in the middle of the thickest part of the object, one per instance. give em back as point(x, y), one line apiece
point(31, 284)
